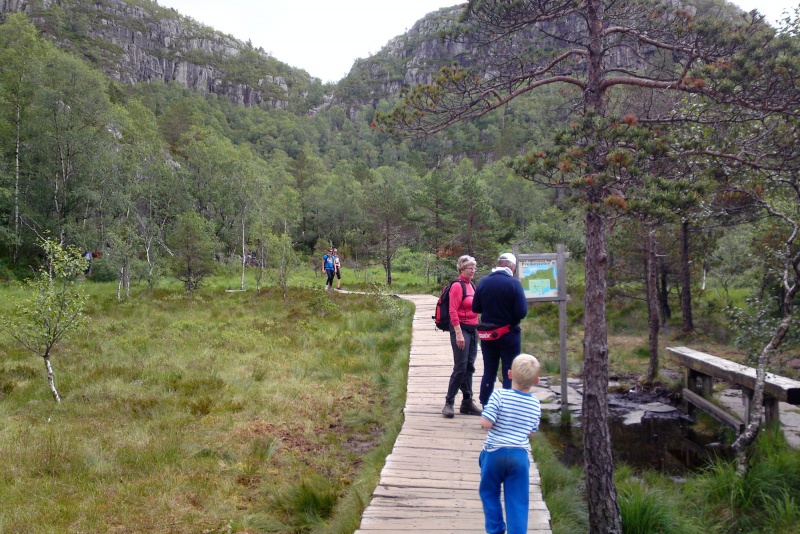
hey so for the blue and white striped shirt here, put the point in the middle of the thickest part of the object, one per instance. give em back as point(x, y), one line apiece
point(514, 415)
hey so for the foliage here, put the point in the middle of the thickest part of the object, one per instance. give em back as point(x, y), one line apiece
point(55, 307)
point(282, 258)
point(389, 305)
point(762, 500)
point(192, 244)
point(755, 324)
point(320, 303)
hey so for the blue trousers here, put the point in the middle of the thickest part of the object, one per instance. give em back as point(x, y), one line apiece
point(463, 365)
point(494, 352)
point(509, 468)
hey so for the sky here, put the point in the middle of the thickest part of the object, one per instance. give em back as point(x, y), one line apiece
point(325, 37)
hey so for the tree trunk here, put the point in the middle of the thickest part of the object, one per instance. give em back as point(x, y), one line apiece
point(757, 405)
point(388, 256)
point(244, 253)
point(663, 291)
point(601, 493)
point(16, 187)
point(121, 282)
point(757, 402)
point(686, 280)
point(653, 316)
point(50, 379)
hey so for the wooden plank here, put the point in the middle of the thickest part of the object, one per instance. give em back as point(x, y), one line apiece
point(430, 480)
point(779, 387)
point(714, 411)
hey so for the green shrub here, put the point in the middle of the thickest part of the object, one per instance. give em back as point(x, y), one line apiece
point(102, 271)
point(309, 503)
point(321, 304)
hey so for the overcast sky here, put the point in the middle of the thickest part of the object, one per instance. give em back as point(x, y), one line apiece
point(325, 37)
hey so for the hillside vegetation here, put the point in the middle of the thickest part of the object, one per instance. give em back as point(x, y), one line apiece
point(675, 193)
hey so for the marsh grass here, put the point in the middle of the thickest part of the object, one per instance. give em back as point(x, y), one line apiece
point(713, 501)
point(228, 412)
point(562, 489)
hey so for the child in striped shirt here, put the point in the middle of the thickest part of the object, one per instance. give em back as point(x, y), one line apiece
point(512, 417)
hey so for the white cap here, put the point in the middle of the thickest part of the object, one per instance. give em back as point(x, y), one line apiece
point(509, 257)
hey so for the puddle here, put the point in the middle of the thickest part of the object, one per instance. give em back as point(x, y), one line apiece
point(663, 442)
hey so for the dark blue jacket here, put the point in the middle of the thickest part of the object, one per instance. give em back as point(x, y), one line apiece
point(500, 299)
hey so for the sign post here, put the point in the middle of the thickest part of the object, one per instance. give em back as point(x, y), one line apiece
point(544, 279)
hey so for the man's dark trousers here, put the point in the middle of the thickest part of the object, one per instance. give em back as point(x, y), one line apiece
point(503, 350)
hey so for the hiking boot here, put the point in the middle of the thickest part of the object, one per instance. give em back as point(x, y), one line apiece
point(468, 407)
point(447, 411)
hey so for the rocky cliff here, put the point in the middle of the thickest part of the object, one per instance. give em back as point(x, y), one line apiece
point(140, 41)
point(417, 56)
point(408, 59)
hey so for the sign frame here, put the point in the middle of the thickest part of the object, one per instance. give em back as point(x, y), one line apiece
point(559, 259)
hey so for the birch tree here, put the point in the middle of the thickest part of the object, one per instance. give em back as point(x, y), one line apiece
point(54, 308)
point(22, 53)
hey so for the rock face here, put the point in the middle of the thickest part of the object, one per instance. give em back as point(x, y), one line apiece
point(418, 55)
point(153, 43)
point(408, 59)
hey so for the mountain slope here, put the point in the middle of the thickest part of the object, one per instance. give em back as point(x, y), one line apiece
point(139, 41)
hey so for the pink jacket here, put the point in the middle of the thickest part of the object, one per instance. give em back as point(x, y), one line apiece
point(461, 305)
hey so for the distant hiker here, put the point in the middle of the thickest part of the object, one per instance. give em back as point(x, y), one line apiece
point(337, 265)
point(328, 268)
point(512, 417)
point(463, 339)
point(88, 258)
point(500, 299)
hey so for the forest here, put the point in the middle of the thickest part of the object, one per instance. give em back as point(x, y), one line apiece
point(109, 167)
point(661, 150)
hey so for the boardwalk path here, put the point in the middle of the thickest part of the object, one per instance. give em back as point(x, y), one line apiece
point(430, 480)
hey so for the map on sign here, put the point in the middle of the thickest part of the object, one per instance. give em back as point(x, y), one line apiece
point(539, 278)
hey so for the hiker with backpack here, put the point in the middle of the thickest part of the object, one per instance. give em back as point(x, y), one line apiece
point(463, 337)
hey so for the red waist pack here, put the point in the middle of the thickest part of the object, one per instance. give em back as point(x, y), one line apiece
point(490, 332)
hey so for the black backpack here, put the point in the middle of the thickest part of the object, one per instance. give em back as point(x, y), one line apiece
point(441, 318)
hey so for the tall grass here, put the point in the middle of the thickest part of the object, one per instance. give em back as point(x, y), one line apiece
point(230, 412)
point(764, 500)
point(562, 489)
point(714, 501)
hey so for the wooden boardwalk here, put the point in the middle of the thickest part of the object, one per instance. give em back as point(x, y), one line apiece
point(430, 480)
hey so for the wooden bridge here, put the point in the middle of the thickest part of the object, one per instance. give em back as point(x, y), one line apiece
point(430, 480)
point(701, 371)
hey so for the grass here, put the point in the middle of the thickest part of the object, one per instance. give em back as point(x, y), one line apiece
point(562, 489)
point(230, 412)
point(242, 412)
point(714, 501)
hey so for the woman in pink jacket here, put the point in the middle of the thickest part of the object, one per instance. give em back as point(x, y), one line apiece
point(463, 339)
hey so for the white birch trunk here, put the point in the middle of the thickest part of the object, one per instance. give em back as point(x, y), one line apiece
point(51, 380)
point(244, 255)
point(16, 186)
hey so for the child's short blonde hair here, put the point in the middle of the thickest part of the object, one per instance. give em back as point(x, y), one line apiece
point(525, 370)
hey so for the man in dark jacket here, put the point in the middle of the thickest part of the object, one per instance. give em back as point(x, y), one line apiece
point(501, 302)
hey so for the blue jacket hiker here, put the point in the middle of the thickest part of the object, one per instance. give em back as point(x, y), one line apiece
point(501, 301)
point(329, 268)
